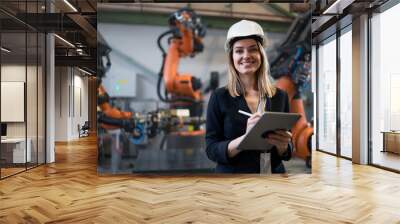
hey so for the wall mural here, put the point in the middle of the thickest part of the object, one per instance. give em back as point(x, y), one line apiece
point(162, 102)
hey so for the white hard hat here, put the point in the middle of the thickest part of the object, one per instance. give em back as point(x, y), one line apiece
point(244, 28)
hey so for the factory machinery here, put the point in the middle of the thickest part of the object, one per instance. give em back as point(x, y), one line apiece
point(182, 92)
point(291, 69)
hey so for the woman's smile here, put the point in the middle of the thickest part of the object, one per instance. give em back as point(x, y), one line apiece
point(247, 63)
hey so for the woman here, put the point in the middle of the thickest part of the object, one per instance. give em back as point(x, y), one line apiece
point(249, 89)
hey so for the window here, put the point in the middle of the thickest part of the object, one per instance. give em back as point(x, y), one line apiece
point(385, 88)
point(346, 93)
point(327, 96)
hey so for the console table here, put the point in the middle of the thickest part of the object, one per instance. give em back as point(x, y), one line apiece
point(391, 141)
point(15, 148)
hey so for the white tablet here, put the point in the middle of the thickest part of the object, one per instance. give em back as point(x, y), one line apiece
point(269, 122)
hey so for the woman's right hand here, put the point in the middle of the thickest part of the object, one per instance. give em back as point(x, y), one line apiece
point(233, 145)
point(252, 121)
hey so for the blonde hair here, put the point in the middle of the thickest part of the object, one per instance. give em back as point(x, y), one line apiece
point(264, 83)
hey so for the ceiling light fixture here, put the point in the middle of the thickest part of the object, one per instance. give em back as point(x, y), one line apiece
point(79, 51)
point(330, 8)
point(70, 5)
point(5, 49)
point(65, 41)
point(86, 72)
point(337, 7)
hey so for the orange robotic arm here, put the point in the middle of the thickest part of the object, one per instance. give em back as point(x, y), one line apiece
point(302, 131)
point(109, 111)
point(291, 68)
point(186, 41)
point(181, 85)
point(109, 117)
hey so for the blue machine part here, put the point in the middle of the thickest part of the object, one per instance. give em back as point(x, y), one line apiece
point(140, 129)
point(299, 52)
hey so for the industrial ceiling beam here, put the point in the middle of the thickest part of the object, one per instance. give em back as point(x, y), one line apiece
point(237, 10)
point(161, 19)
point(49, 22)
point(82, 61)
point(89, 30)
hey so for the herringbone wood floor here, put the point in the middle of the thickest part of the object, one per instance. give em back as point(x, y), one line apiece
point(70, 191)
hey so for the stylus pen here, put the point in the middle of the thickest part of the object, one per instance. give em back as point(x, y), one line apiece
point(245, 113)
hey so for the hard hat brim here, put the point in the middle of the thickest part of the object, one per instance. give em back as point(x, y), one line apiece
point(231, 41)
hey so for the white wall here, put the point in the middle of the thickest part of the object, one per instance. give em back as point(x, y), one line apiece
point(17, 73)
point(71, 96)
point(61, 103)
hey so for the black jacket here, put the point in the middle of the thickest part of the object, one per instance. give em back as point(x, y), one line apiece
point(224, 124)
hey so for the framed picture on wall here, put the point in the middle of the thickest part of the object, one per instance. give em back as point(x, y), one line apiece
point(12, 101)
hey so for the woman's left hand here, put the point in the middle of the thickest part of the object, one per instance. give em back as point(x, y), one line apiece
point(280, 139)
